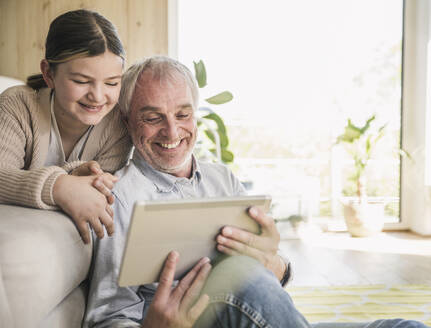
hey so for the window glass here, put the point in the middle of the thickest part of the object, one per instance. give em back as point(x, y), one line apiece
point(298, 70)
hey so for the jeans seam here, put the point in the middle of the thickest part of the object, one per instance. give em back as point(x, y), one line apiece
point(243, 306)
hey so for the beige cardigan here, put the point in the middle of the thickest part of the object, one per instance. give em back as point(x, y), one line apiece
point(25, 126)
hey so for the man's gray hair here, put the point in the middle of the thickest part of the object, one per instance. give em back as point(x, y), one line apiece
point(163, 69)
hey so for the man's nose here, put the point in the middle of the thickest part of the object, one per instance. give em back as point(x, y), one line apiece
point(171, 129)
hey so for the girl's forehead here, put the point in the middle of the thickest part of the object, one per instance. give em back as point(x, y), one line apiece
point(106, 64)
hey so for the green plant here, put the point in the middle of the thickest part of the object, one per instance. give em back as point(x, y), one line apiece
point(360, 143)
point(211, 124)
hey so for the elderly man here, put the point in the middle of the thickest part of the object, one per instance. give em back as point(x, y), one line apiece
point(158, 100)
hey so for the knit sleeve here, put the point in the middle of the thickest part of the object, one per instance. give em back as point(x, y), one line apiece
point(32, 188)
point(18, 185)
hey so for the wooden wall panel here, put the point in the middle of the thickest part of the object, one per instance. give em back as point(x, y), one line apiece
point(142, 25)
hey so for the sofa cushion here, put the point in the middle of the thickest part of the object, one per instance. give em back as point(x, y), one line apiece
point(42, 260)
point(70, 312)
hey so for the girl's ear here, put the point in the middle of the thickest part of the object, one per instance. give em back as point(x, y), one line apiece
point(48, 74)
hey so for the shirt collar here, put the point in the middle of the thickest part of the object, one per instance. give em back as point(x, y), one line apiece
point(164, 182)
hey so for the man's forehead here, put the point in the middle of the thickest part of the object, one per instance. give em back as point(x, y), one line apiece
point(149, 87)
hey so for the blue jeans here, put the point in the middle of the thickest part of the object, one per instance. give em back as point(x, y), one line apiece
point(243, 294)
point(389, 323)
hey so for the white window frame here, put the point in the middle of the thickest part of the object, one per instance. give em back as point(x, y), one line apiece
point(416, 118)
point(415, 200)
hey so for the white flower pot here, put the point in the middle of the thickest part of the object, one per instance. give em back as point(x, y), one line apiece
point(364, 219)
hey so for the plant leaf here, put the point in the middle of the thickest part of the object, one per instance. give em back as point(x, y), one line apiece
point(219, 121)
point(368, 145)
point(351, 133)
point(227, 156)
point(367, 124)
point(221, 98)
point(224, 140)
point(383, 127)
point(210, 136)
point(200, 73)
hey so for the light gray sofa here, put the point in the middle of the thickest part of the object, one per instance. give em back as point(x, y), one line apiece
point(43, 263)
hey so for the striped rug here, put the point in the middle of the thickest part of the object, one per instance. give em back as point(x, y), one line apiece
point(363, 303)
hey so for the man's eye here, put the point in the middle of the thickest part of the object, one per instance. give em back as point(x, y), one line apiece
point(182, 116)
point(152, 119)
point(80, 82)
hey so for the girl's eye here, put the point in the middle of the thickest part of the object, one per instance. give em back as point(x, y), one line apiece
point(112, 84)
point(80, 82)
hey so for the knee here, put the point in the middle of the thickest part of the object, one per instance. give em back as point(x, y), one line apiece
point(235, 273)
point(243, 278)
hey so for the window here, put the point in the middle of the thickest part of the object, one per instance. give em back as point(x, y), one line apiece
point(298, 70)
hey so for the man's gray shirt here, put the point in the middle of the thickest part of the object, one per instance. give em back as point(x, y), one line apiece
point(112, 306)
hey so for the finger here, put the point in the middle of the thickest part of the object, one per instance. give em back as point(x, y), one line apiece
point(110, 199)
point(97, 227)
point(166, 278)
point(196, 287)
point(227, 250)
point(101, 187)
point(266, 222)
point(108, 222)
point(109, 210)
point(244, 237)
point(108, 177)
point(200, 306)
point(84, 231)
point(108, 180)
point(114, 178)
point(188, 279)
point(233, 247)
point(104, 186)
point(94, 168)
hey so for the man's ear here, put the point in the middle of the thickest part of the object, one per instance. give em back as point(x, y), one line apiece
point(48, 74)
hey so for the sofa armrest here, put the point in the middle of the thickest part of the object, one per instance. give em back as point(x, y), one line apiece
point(42, 260)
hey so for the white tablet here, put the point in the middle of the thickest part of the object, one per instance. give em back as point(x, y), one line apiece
point(188, 226)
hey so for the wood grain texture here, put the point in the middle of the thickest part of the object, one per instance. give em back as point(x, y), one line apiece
point(337, 259)
point(142, 25)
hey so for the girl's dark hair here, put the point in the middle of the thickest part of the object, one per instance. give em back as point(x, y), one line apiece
point(76, 34)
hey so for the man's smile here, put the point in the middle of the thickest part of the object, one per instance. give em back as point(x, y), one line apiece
point(170, 145)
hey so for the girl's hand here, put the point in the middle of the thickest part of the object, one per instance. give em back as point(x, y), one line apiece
point(104, 181)
point(76, 196)
point(88, 168)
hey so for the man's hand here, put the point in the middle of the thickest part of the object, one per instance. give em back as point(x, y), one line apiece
point(104, 182)
point(78, 198)
point(263, 247)
point(181, 306)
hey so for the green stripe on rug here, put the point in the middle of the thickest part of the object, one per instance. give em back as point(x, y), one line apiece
point(363, 303)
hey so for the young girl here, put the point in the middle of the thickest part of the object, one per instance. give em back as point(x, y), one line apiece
point(54, 129)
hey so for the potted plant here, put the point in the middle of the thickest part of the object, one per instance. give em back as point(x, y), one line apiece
point(214, 141)
point(363, 218)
